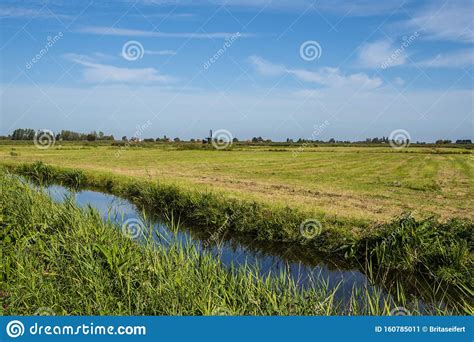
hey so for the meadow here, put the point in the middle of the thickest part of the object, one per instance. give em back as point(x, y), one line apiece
point(389, 212)
point(353, 183)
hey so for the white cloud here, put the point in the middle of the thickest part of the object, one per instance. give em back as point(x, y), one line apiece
point(342, 7)
point(457, 59)
point(266, 68)
point(330, 77)
point(98, 73)
point(30, 13)
point(113, 31)
point(445, 20)
point(380, 53)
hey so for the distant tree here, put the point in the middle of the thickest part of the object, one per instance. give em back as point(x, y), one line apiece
point(235, 140)
point(23, 134)
point(257, 140)
point(149, 140)
point(464, 141)
point(70, 135)
point(177, 139)
point(193, 140)
point(124, 138)
point(332, 141)
point(375, 140)
point(91, 137)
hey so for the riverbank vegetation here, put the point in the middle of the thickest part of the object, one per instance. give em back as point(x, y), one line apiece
point(59, 259)
point(440, 252)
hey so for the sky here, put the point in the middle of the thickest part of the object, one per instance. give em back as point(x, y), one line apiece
point(322, 69)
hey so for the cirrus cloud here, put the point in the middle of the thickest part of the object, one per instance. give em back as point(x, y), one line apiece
point(94, 72)
point(326, 76)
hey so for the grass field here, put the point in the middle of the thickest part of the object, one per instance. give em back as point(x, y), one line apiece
point(59, 259)
point(362, 183)
point(265, 193)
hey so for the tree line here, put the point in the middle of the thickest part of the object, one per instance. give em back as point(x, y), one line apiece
point(67, 135)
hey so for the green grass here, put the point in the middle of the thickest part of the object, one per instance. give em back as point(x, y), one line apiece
point(374, 184)
point(58, 258)
point(438, 251)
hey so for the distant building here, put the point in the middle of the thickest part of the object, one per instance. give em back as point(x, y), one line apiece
point(208, 140)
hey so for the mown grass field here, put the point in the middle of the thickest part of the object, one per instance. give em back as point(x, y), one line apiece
point(436, 251)
point(362, 183)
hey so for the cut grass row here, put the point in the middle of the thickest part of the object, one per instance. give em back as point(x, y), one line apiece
point(59, 259)
point(439, 251)
point(371, 184)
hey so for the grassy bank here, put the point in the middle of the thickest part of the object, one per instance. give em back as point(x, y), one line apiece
point(56, 258)
point(438, 251)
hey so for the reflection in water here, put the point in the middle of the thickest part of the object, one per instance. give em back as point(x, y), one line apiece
point(271, 258)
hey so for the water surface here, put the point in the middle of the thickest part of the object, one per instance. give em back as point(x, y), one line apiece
point(271, 258)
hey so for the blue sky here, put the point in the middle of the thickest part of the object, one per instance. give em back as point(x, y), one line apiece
point(278, 69)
